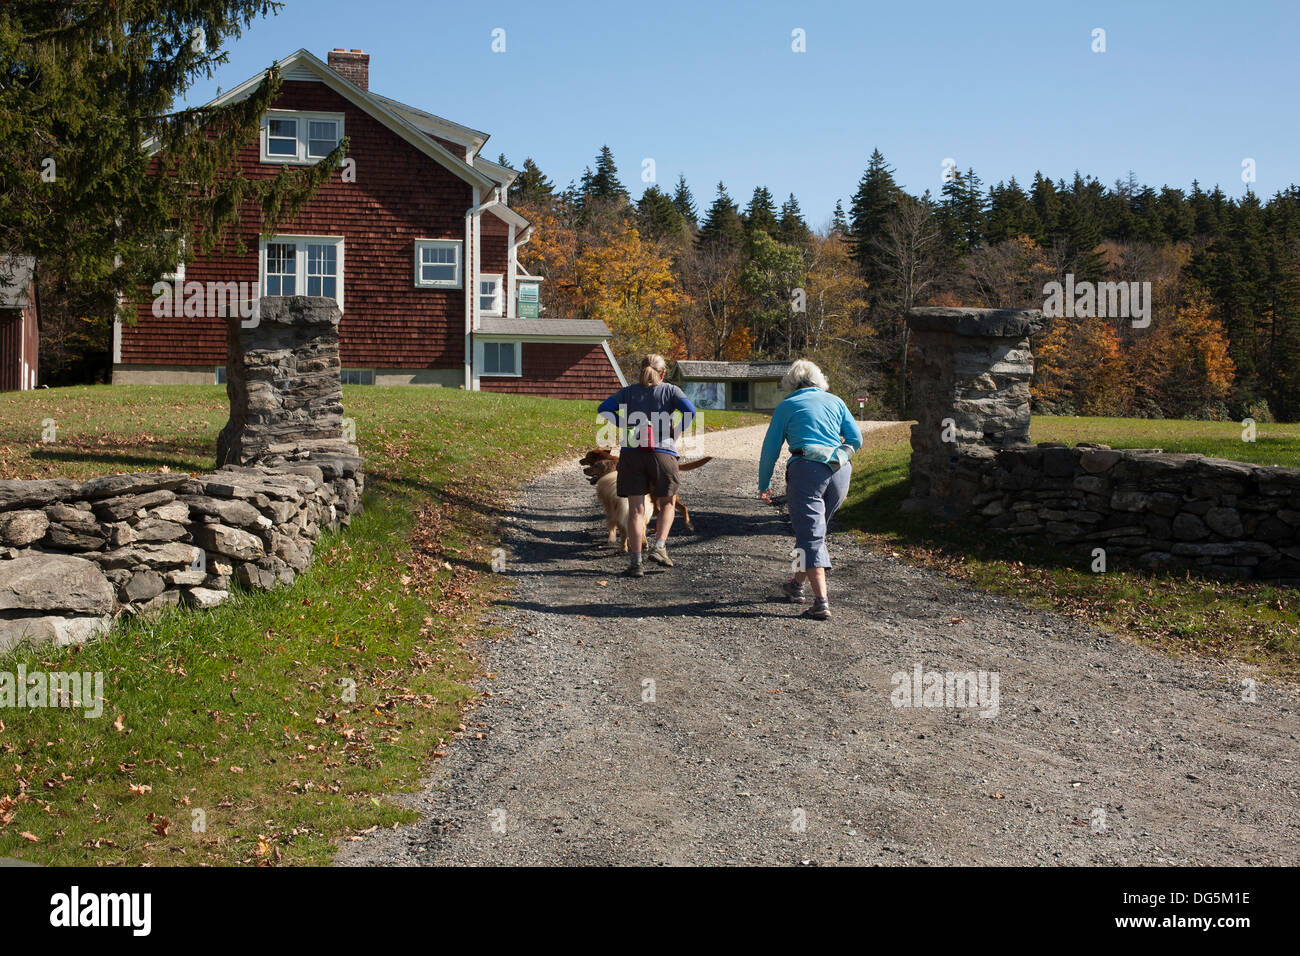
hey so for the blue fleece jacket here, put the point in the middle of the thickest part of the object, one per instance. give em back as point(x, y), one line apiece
point(646, 414)
point(808, 418)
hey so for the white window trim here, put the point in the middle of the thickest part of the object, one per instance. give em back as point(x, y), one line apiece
point(301, 159)
point(456, 283)
point(480, 361)
point(362, 373)
point(498, 312)
point(300, 258)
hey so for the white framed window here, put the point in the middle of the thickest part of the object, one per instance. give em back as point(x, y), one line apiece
point(437, 263)
point(489, 295)
point(357, 376)
point(299, 138)
point(303, 265)
point(499, 359)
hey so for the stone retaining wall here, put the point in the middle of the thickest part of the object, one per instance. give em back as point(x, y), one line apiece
point(971, 459)
point(1220, 518)
point(76, 554)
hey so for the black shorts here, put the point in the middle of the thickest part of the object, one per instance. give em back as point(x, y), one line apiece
point(642, 471)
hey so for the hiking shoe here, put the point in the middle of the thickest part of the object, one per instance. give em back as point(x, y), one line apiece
point(659, 555)
point(820, 611)
point(634, 570)
point(793, 590)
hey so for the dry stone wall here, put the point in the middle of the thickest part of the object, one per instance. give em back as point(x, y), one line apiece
point(1211, 516)
point(74, 555)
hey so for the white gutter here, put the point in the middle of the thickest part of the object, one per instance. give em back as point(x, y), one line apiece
point(473, 236)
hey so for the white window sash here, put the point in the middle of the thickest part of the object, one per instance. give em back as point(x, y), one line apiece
point(455, 245)
point(495, 309)
point(302, 264)
point(302, 155)
point(481, 366)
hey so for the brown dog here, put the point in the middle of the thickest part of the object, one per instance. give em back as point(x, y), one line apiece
point(600, 467)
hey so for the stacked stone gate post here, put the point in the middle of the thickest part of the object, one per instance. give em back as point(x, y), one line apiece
point(972, 460)
point(74, 555)
point(971, 371)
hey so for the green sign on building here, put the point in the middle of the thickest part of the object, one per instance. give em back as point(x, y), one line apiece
point(528, 300)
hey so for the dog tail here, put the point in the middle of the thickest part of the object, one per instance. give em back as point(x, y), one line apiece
point(695, 464)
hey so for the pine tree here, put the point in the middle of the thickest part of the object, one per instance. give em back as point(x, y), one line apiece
point(83, 88)
point(1078, 238)
point(604, 184)
point(839, 221)
point(875, 199)
point(722, 226)
point(961, 214)
point(760, 214)
point(531, 187)
point(1047, 205)
point(657, 217)
point(793, 229)
point(684, 202)
point(1011, 214)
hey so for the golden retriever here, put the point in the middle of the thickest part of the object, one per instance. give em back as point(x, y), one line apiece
point(600, 467)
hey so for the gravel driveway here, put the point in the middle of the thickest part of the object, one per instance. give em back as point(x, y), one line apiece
point(691, 717)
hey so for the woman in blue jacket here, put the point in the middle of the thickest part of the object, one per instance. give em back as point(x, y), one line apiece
point(822, 435)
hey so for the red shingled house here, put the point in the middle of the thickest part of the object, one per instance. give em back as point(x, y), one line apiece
point(19, 330)
point(413, 220)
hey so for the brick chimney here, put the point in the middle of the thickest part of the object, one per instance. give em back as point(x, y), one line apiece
point(352, 65)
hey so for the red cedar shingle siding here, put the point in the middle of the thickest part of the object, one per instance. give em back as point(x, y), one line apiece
point(496, 254)
point(560, 370)
point(11, 345)
point(19, 336)
point(399, 195)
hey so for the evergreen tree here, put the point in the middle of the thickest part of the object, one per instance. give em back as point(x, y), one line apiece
point(1011, 214)
point(961, 215)
point(1047, 205)
point(839, 221)
point(657, 217)
point(760, 214)
point(793, 229)
point(1174, 214)
point(83, 88)
point(603, 185)
point(722, 226)
point(531, 187)
point(1078, 238)
point(684, 202)
point(1146, 215)
point(872, 204)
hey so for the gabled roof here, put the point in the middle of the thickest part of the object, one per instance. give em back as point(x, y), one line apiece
point(381, 108)
point(15, 280)
point(471, 139)
point(578, 328)
point(505, 174)
point(718, 371)
point(508, 215)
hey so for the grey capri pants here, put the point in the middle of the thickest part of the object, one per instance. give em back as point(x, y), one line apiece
point(814, 493)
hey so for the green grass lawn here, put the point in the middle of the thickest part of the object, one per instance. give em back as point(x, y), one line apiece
point(1178, 614)
point(265, 730)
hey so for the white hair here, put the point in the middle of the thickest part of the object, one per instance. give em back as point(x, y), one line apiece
point(803, 374)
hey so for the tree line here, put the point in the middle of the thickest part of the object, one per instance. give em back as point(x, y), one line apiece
point(728, 282)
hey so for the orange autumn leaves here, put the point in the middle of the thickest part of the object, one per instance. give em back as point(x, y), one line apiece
point(1180, 364)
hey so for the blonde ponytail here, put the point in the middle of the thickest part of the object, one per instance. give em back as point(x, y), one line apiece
point(652, 370)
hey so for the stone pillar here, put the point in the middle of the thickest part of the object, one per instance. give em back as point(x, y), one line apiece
point(970, 391)
point(282, 376)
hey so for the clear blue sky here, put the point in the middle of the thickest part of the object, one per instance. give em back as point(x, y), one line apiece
point(1185, 90)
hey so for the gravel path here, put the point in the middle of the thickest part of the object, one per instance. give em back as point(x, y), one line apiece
point(771, 739)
